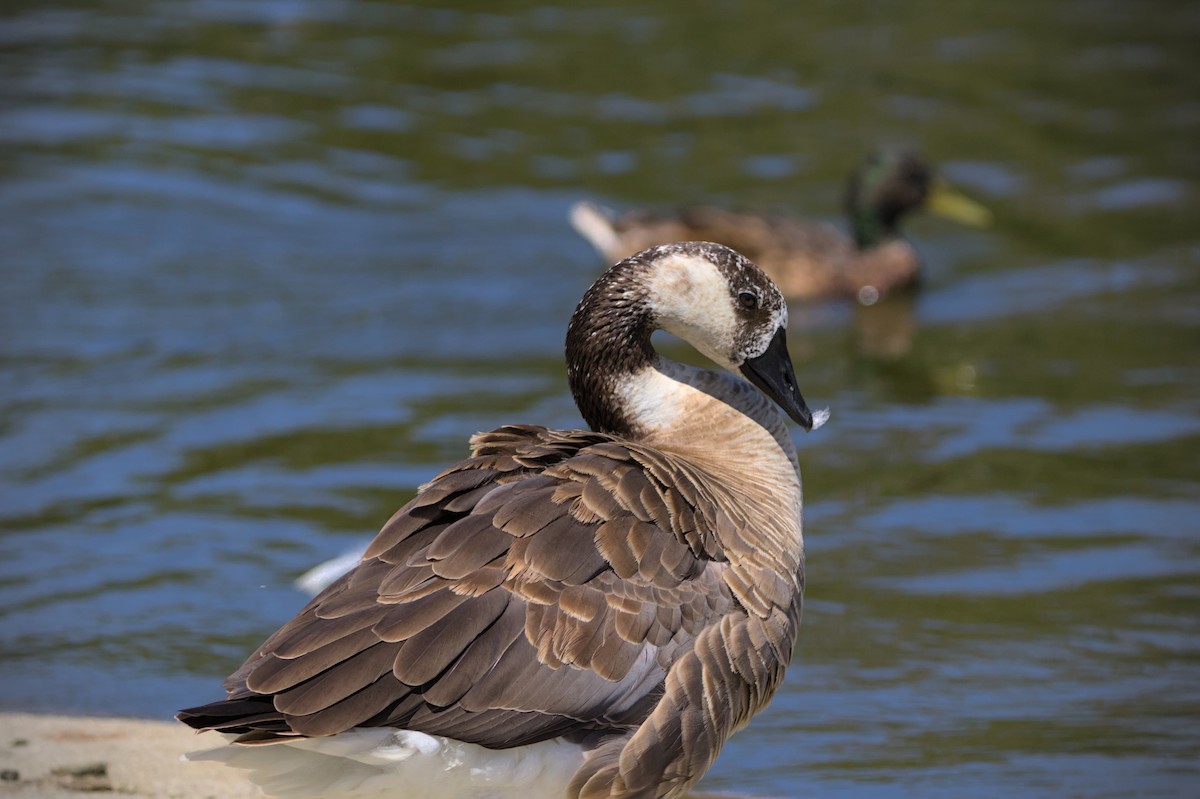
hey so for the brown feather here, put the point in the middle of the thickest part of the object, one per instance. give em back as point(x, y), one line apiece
point(309, 631)
point(453, 481)
point(613, 541)
point(563, 551)
point(403, 523)
point(428, 653)
point(482, 580)
point(582, 602)
point(528, 508)
point(412, 548)
point(409, 618)
point(409, 582)
point(466, 545)
point(340, 682)
point(464, 502)
point(349, 712)
point(481, 655)
point(278, 673)
point(599, 500)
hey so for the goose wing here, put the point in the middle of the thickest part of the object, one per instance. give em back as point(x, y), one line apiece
point(542, 587)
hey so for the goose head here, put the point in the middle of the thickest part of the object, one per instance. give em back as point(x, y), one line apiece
point(706, 294)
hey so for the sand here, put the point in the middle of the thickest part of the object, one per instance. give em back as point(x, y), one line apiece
point(68, 757)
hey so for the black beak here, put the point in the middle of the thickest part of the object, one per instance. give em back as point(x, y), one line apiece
point(772, 373)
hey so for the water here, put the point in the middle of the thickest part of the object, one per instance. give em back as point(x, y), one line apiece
point(266, 265)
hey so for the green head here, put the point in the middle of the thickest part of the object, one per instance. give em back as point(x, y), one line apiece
point(892, 182)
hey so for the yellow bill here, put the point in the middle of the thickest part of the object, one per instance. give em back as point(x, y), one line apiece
point(946, 201)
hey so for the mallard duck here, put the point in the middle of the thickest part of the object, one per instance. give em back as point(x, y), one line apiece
point(807, 259)
point(566, 614)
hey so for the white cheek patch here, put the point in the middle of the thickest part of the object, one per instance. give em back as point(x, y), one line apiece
point(691, 298)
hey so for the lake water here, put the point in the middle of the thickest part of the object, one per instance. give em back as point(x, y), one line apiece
point(266, 265)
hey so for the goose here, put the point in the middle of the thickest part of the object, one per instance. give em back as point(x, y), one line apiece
point(808, 260)
point(565, 614)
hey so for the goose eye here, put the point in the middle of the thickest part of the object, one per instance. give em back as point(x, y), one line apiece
point(748, 300)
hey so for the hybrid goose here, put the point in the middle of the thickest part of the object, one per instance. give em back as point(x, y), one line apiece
point(806, 258)
point(566, 614)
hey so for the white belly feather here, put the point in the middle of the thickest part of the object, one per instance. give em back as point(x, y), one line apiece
point(379, 763)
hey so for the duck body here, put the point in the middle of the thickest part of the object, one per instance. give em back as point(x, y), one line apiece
point(807, 259)
point(565, 613)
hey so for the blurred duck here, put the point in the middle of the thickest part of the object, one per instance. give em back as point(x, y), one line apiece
point(807, 259)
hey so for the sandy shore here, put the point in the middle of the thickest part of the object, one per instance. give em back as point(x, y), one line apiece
point(66, 757)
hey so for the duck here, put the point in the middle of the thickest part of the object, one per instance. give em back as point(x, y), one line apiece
point(565, 613)
point(807, 259)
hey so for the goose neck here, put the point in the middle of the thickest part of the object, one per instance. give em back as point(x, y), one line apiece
point(608, 340)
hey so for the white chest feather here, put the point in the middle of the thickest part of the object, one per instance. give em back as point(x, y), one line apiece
point(681, 406)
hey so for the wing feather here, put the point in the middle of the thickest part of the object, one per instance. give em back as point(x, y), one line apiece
point(480, 656)
point(333, 685)
point(564, 551)
point(424, 655)
point(349, 712)
point(545, 585)
point(416, 615)
point(279, 672)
